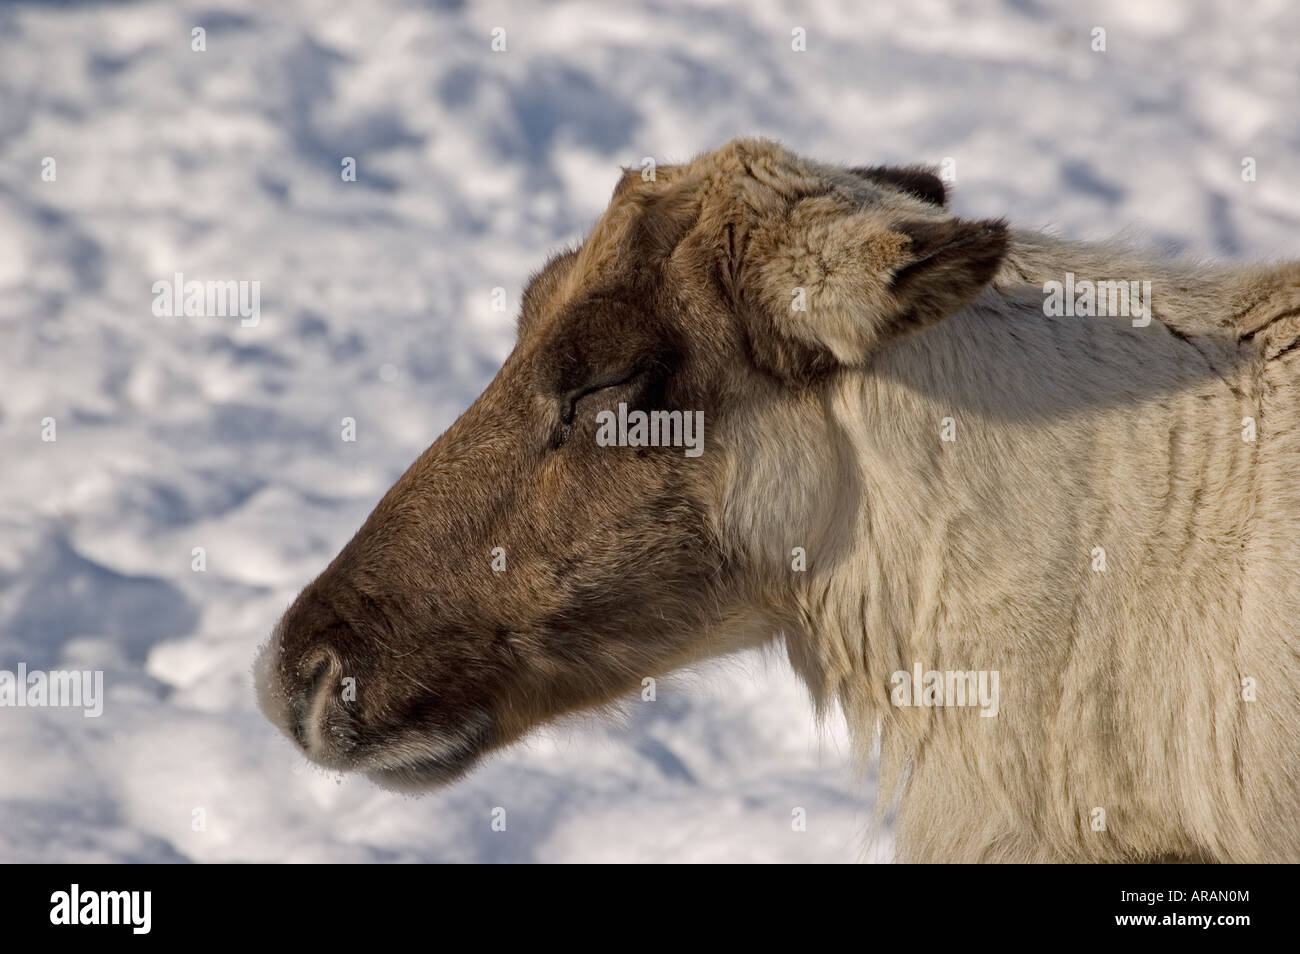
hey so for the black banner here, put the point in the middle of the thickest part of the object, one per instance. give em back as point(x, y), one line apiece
point(928, 905)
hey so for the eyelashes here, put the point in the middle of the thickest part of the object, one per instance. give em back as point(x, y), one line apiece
point(570, 410)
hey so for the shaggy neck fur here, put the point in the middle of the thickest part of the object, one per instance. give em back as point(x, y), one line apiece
point(1089, 533)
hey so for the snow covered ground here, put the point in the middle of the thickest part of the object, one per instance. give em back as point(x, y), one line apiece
point(177, 433)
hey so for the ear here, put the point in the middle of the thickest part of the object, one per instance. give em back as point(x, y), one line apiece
point(916, 181)
point(829, 285)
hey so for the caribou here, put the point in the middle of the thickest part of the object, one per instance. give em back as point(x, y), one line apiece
point(1100, 511)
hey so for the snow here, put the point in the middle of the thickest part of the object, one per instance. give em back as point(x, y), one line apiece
point(376, 304)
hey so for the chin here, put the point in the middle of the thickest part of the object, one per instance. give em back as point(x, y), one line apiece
point(416, 768)
point(423, 775)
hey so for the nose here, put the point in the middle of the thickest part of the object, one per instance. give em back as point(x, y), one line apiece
point(309, 700)
point(300, 696)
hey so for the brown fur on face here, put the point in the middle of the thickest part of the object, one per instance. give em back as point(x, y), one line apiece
point(616, 566)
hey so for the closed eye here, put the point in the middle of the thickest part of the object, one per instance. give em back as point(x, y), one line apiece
point(572, 399)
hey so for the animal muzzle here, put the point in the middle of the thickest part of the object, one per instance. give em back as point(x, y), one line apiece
point(304, 699)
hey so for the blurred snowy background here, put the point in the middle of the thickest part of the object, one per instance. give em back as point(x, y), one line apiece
point(176, 433)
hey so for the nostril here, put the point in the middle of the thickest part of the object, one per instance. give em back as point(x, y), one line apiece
point(307, 705)
point(318, 675)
